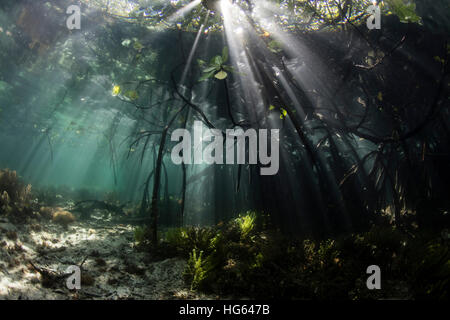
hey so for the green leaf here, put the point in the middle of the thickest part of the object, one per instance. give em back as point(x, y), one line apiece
point(208, 75)
point(218, 61)
point(225, 54)
point(405, 10)
point(211, 68)
point(137, 46)
point(126, 42)
point(216, 67)
point(132, 95)
point(274, 46)
point(116, 90)
point(228, 68)
point(221, 75)
point(439, 59)
point(201, 62)
point(272, 107)
point(283, 113)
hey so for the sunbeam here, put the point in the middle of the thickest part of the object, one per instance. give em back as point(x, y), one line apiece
point(224, 149)
point(183, 11)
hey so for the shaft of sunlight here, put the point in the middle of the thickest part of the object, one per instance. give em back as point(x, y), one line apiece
point(236, 27)
point(183, 11)
point(193, 50)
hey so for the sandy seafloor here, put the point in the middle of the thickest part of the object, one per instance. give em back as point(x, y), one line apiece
point(112, 269)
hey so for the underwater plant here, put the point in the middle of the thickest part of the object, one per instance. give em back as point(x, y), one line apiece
point(217, 67)
point(177, 238)
point(13, 186)
point(246, 223)
point(363, 117)
point(63, 217)
point(139, 234)
point(184, 240)
point(15, 196)
point(430, 274)
point(269, 264)
point(197, 269)
point(142, 235)
point(46, 212)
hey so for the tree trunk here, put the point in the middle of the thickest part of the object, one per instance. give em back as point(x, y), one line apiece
point(157, 181)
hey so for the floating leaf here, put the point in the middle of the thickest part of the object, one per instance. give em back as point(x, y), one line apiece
point(271, 107)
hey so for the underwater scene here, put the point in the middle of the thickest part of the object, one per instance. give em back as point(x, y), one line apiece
point(224, 150)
